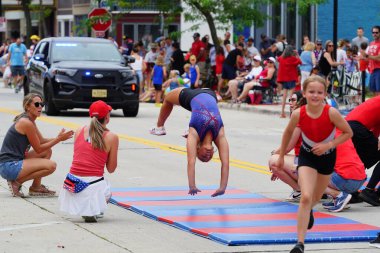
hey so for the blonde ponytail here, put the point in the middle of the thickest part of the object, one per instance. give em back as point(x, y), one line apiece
point(96, 133)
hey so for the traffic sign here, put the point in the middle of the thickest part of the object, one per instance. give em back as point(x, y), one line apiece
point(100, 19)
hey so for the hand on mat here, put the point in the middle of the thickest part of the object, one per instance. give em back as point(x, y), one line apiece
point(218, 192)
point(194, 190)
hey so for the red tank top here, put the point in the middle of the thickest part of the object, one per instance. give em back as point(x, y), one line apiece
point(367, 114)
point(87, 161)
point(316, 130)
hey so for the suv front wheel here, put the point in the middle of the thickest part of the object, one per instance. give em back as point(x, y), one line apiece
point(131, 111)
point(50, 108)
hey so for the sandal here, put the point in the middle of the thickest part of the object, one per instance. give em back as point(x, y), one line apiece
point(15, 188)
point(41, 191)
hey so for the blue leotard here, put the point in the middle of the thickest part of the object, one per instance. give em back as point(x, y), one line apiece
point(205, 114)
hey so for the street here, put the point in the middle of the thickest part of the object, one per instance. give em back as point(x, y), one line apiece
point(36, 225)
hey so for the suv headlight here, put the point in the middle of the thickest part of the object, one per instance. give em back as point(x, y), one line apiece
point(126, 74)
point(65, 72)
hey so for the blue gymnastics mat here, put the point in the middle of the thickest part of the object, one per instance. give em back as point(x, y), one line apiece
point(236, 218)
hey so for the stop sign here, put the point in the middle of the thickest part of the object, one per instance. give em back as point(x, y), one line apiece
point(102, 19)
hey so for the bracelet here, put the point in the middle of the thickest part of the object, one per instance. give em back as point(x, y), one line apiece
point(273, 152)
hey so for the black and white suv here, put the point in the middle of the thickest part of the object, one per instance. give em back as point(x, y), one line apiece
point(73, 72)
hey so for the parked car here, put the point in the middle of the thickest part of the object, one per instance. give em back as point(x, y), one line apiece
point(72, 72)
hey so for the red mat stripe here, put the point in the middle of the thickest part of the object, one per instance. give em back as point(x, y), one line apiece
point(241, 217)
point(200, 202)
point(171, 193)
point(288, 229)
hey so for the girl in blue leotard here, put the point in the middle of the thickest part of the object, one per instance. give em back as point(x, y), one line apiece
point(205, 127)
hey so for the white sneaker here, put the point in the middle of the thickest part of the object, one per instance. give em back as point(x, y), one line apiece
point(295, 196)
point(185, 134)
point(158, 131)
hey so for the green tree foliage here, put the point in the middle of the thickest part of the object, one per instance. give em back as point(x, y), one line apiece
point(217, 13)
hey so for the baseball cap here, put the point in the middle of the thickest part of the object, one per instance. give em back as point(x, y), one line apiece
point(251, 39)
point(99, 109)
point(195, 35)
point(318, 42)
point(34, 37)
point(257, 57)
point(272, 59)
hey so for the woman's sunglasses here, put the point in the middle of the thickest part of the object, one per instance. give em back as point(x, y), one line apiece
point(38, 104)
point(292, 100)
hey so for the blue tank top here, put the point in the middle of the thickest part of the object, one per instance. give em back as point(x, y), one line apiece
point(193, 74)
point(158, 75)
point(205, 116)
point(307, 63)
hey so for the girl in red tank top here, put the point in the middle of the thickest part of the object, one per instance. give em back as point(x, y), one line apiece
point(317, 153)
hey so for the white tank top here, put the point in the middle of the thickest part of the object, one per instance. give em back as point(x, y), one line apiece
point(137, 65)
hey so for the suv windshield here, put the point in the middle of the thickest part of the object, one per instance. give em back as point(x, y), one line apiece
point(85, 51)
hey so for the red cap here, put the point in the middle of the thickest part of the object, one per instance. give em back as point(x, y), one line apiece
point(99, 109)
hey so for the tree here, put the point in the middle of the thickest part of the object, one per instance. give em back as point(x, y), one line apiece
point(25, 7)
point(217, 13)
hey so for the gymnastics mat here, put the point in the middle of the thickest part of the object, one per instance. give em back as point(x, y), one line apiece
point(236, 218)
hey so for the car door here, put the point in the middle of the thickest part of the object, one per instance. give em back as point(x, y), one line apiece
point(39, 67)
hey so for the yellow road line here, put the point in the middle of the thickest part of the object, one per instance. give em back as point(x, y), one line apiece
point(167, 147)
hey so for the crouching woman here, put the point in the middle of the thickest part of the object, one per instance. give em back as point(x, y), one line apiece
point(85, 191)
point(19, 163)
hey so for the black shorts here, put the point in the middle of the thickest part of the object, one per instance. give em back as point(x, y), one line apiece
point(18, 70)
point(228, 72)
point(366, 144)
point(324, 164)
point(158, 87)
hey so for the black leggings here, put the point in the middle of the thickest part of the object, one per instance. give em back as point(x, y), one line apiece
point(366, 145)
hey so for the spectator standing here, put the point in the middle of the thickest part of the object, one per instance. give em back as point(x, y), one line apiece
point(198, 48)
point(341, 55)
point(265, 47)
point(318, 51)
point(17, 59)
point(158, 77)
point(194, 73)
point(219, 60)
point(308, 61)
point(305, 40)
point(373, 57)
point(359, 39)
point(231, 62)
point(35, 39)
point(279, 47)
point(150, 59)
point(169, 53)
point(327, 61)
point(138, 66)
point(95, 147)
point(177, 59)
point(351, 64)
point(288, 73)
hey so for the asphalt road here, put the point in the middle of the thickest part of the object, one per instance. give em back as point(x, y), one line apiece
point(36, 225)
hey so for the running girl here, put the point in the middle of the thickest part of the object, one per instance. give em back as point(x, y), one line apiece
point(317, 122)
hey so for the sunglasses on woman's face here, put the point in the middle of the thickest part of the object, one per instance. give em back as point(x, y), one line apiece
point(292, 100)
point(38, 104)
